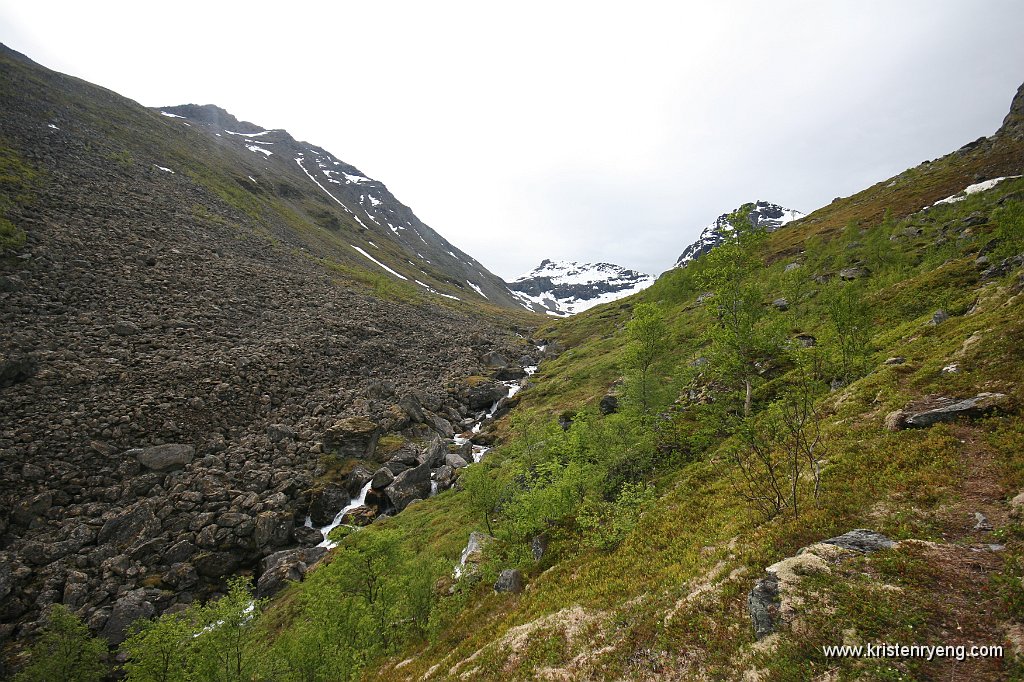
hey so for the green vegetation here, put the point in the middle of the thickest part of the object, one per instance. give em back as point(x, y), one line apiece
point(17, 180)
point(65, 652)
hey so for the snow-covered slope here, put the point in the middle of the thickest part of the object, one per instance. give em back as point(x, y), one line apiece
point(764, 215)
point(566, 287)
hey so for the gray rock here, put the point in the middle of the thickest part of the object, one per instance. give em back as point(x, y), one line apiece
point(279, 432)
point(273, 528)
point(495, 359)
point(982, 522)
point(277, 578)
point(861, 540)
point(609, 404)
point(538, 546)
point(126, 611)
point(356, 479)
point(509, 580)
point(306, 536)
point(409, 485)
point(307, 555)
point(162, 457)
point(455, 460)
point(14, 370)
point(806, 340)
point(848, 274)
point(382, 479)
point(790, 267)
point(780, 304)
point(216, 564)
point(444, 477)
point(181, 576)
point(938, 317)
point(898, 360)
point(179, 552)
point(353, 437)
point(129, 527)
point(763, 606)
point(978, 406)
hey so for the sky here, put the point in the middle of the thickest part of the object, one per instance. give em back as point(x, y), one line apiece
point(585, 131)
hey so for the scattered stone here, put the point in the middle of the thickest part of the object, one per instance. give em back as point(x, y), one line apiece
point(790, 267)
point(409, 485)
point(806, 340)
point(780, 304)
point(509, 580)
point(898, 360)
point(938, 317)
point(953, 368)
point(609, 404)
point(279, 432)
point(455, 460)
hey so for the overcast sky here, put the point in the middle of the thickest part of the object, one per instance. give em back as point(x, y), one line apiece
point(584, 131)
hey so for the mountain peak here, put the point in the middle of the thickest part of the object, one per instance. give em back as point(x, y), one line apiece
point(564, 288)
point(764, 215)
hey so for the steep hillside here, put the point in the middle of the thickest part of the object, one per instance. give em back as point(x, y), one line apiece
point(566, 287)
point(198, 351)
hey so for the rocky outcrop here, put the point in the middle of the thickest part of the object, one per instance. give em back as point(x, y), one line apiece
point(763, 215)
point(280, 568)
point(774, 600)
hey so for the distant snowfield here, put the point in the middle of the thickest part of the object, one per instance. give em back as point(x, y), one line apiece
point(974, 189)
point(597, 276)
point(255, 148)
point(229, 132)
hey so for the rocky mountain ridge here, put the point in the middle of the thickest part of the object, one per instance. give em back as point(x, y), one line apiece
point(562, 288)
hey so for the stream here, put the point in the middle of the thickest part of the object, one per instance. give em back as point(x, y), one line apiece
point(478, 453)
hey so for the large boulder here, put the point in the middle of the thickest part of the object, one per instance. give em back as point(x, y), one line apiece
point(326, 504)
point(774, 599)
point(485, 394)
point(947, 409)
point(273, 528)
point(409, 485)
point(280, 568)
point(129, 527)
point(126, 611)
point(353, 437)
point(163, 457)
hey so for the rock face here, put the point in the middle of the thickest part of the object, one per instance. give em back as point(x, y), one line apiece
point(764, 215)
point(567, 287)
point(947, 409)
point(280, 568)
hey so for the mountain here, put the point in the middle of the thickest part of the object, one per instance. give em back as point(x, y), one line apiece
point(354, 208)
point(563, 288)
point(763, 214)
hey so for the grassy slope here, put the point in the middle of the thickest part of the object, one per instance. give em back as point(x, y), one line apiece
point(671, 600)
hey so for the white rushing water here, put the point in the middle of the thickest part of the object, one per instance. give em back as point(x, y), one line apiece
point(357, 502)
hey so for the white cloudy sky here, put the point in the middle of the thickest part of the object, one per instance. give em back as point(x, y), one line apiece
point(582, 130)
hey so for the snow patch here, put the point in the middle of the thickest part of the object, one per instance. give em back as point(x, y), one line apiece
point(477, 289)
point(974, 189)
point(166, 170)
point(254, 148)
point(396, 274)
point(170, 115)
point(298, 160)
point(263, 132)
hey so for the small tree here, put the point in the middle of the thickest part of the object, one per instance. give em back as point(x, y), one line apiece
point(158, 650)
point(647, 343)
point(485, 494)
point(746, 335)
point(65, 652)
point(849, 320)
point(223, 649)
